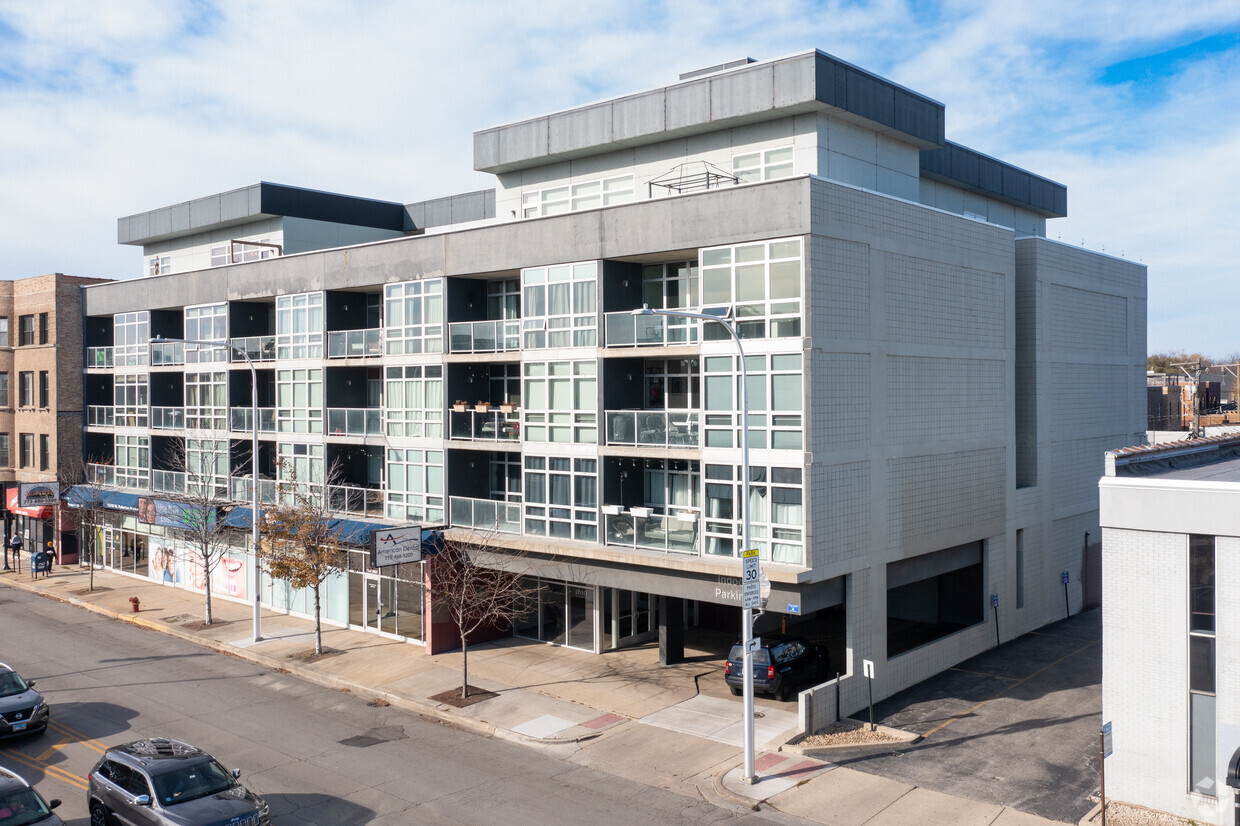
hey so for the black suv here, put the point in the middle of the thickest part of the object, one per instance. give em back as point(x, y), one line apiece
point(161, 781)
point(20, 804)
point(779, 665)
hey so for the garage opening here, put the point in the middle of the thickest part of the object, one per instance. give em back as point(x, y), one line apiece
point(933, 595)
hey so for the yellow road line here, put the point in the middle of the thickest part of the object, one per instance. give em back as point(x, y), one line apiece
point(53, 771)
point(948, 722)
point(42, 758)
point(78, 736)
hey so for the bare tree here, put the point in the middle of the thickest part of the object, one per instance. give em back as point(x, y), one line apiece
point(83, 493)
point(300, 546)
point(476, 596)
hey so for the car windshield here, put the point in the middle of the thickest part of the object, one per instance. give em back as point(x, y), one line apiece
point(788, 651)
point(23, 806)
point(760, 657)
point(191, 782)
point(11, 683)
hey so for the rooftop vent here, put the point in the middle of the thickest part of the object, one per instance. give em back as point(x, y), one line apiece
point(722, 67)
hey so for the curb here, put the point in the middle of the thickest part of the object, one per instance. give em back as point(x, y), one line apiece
point(900, 739)
point(749, 803)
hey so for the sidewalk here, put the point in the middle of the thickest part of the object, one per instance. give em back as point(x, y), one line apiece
point(620, 713)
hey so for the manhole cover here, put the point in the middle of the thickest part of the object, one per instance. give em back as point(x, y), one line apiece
point(382, 734)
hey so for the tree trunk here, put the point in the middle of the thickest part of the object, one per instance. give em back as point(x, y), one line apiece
point(464, 666)
point(91, 557)
point(207, 581)
point(318, 625)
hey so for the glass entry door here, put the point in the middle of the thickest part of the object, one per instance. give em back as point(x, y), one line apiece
point(385, 605)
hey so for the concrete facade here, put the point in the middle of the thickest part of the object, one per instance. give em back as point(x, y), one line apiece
point(931, 378)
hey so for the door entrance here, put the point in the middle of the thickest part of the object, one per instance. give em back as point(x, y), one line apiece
point(385, 605)
point(629, 617)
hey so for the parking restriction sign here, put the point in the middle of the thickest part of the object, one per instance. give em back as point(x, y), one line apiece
point(751, 587)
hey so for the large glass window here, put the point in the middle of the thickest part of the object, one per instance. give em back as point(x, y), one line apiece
point(206, 400)
point(560, 401)
point(504, 299)
point(775, 401)
point(207, 323)
point(302, 462)
point(1201, 665)
point(299, 401)
point(129, 395)
point(299, 326)
point(561, 497)
point(414, 402)
point(206, 465)
point(776, 512)
point(415, 485)
point(133, 461)
point(763, 165)
point(759, 284)
point(413, 316)
point(560, 307)
point(131, 335)
point(537, 203)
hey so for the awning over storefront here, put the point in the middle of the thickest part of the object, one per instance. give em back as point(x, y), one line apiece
point(10, 501)
point(80, 496)
point(348, 531)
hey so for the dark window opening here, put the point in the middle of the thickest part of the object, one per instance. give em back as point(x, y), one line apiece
point(933, 607)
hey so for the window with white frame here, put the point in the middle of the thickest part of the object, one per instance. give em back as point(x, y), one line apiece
point(561, 497)
point(415, 485)
point(776, 512)
point(414, 401)
point(413, 316)
point(129, 398)
point(131, 336)
point(673, 287)
point(208, 323)
point(671, 485)
point(763, 165)
point(601, 192)
point(759, 284)
point(560, 305)
point(236, 252)
point(776, 420)
point(158, 265)
point(133, 461)
point(206, 400)
point(206, 466)
point(301, 463)
point(299, 401)
point(299, 326)
point(560, 402)
point(505, 475)
point(671, 384)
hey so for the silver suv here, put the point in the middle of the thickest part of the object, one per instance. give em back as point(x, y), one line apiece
point(161, 781)
point(22, 709)
point(20, 804)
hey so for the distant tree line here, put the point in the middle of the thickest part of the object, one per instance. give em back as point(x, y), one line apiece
point(1161, 362)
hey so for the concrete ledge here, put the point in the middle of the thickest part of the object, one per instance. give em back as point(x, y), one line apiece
point(900, 739)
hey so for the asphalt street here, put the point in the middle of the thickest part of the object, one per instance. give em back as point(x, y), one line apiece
point(319, 756)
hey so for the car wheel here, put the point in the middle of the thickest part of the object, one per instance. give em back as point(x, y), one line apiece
point(99, 815)
point(736, 692)
point(785, 691)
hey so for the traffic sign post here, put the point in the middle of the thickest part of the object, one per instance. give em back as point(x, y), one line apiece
point(867, 668)
point(751, 585)
point(1065, 577)
point(1104, 750)
point(994, 605)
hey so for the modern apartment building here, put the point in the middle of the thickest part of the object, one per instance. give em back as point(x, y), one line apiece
point(931, 381)
point(41, 412)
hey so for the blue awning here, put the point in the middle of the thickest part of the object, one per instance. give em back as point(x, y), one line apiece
point(348, 531)
point(80, 496)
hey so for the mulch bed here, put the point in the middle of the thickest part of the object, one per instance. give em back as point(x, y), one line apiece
point(200, 625)
point(308, 655)
point(453, 698)
point(81, 592)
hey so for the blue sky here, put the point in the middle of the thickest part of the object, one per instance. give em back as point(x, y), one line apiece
point(114, 108)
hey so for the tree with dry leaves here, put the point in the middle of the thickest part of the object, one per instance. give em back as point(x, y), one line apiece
point(83, 493)
point(475, 596)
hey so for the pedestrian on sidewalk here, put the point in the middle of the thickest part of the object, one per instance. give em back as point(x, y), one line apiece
point(15, 546)
point(51, 552)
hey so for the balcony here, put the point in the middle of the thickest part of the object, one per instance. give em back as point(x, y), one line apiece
point(167, 353)
point(484, 336)
point(640, 530)
point(258, 348)
point(100, 415)
point(355, 421)
point(130, 417)
point(240, 489)
point(353, 344)
point(242, 419)
point(167, 481)
point(653, 428)
point(355, 500)
point(99, 357)
point(167, 418)
point(484, 514)
point(491, 426)
point(628, 330)
point(97, 474)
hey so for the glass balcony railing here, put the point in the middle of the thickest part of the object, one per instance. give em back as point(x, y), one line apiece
point(628, 330)
point(242, 419)
point(130, 416)
point(167, 418)
point(165, 353)
point(241, 488)
point(355, 421)
point(492, 426)
point(352, 344)
point(100, 415)
point(484, 514)
point(484, 336)
point(167, 481)
point(355, 500)
point(676, 534)
point(258, 348)
point(653, 428)
point(97, 474)
point(99, 357)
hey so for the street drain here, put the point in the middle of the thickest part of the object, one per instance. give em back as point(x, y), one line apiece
point(382, 734)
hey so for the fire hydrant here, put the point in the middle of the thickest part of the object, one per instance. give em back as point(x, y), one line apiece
point(134, 604)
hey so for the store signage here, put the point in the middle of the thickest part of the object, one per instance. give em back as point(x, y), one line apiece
point(395, 546)
point(38, 494)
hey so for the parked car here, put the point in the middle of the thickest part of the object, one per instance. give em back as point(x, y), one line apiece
point(169, 782)
point(21, 804)
point(22, 709)
point(779, 665)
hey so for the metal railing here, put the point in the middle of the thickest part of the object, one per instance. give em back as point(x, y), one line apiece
point(99, 357)
point(348, 344)
point(484, 336)
point(100, 415)
point(258, 348)
point(627, 330)
point(492, 426)
point(168, 481)
point(484, 514)
point(241, 419)
point(654, 428)
point(355, 500)
point(167, 353)
point(167, 418)
point(678, 533)
point(99, 474)
point(240, 488)
point(355, 421)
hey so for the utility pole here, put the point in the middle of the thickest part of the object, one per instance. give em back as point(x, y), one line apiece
point(1194, 369)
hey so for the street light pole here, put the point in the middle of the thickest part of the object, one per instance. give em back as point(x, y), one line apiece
point(258, 581)
point(749, 775)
